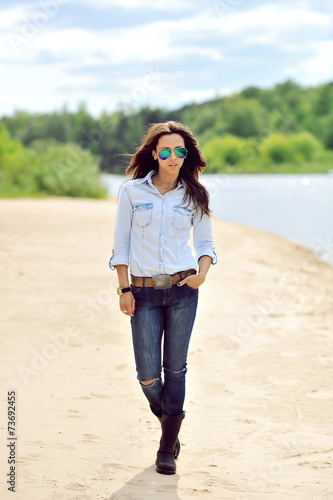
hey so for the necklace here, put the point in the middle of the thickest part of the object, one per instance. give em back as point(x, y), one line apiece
point(162, 189)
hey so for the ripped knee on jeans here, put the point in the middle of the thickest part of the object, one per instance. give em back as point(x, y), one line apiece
point(175, 375)
point(148, 382)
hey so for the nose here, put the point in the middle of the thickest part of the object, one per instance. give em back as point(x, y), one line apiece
point(173, 155)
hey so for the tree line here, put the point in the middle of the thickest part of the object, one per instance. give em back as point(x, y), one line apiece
point(288, 128)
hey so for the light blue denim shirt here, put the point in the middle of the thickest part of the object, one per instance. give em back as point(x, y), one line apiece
point(152, 231)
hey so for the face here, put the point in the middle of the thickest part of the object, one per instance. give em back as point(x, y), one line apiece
point(171, 165)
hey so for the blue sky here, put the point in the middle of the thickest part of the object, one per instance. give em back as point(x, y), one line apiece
point(112, 53)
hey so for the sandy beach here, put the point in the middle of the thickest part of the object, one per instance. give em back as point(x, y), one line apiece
point(259, 402)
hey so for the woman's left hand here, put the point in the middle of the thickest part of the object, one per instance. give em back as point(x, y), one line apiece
point(193, 281)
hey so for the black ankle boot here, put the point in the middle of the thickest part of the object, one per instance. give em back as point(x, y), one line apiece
point(165, 460)
point(158, 413)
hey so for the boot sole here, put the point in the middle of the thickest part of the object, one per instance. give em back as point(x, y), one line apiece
point(164, 471)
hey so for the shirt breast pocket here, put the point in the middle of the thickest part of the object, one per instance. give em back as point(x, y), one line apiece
point(182, 218)
point(143, 214)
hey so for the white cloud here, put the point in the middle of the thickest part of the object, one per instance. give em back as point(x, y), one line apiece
point(13, 16)
point(148, 43)
point(290, 72)
point(318, 66)
point(41, 85)
point(25, 17)
point(269, 24)
point(173, 97)
point(137, 4)
point(45, 59)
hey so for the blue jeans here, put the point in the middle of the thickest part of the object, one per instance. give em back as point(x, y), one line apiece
point(170, 312)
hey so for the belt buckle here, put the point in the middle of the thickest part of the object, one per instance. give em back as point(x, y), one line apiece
point(162, 281)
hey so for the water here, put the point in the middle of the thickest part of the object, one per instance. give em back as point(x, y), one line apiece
point(296, 206)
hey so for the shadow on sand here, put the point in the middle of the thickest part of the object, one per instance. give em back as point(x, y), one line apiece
point(149, 484)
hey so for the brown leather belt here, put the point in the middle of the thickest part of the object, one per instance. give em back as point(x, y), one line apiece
point(151, 282)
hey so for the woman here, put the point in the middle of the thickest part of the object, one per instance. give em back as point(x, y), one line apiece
point(156, 210)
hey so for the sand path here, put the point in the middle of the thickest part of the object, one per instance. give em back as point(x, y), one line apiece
point(259, 421)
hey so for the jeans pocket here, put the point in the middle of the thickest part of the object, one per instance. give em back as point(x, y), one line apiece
point(135, 289)
point(190, 288)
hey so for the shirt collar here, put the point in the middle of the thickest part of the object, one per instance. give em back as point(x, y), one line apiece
point(148, 177)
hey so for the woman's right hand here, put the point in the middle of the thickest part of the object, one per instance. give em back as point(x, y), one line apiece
point(127, 303)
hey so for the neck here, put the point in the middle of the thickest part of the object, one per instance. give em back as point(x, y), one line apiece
point(165, 180)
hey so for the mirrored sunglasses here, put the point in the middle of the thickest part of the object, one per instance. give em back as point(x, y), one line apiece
point(165, 153)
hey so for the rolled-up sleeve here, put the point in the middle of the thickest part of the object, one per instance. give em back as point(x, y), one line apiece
point(122, 230)
point(203, 238)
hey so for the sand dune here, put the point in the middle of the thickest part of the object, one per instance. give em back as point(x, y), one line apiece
point(259, 401)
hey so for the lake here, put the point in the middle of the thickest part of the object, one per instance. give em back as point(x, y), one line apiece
point(296, 206)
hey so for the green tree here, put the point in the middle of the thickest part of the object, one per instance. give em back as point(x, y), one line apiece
point(323, 104)
point(305, 146)
point(222, 151)
point(245, 117)
point(67, 170)
point(276, 149)
point(254, 114)
point(15, 162)
point(294, 148)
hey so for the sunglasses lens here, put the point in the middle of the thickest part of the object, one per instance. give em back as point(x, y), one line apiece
point(181, 152)
point(164, 154)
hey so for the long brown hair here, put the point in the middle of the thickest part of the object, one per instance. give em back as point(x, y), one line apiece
point(143, 162)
